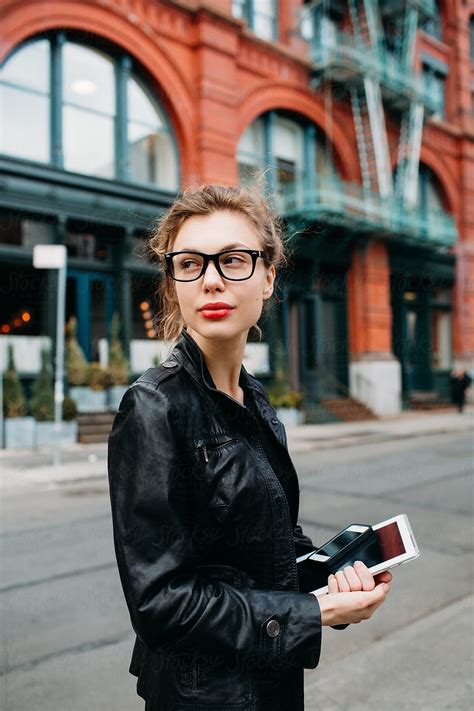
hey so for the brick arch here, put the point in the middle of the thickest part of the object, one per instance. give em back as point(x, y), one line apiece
point(272, 96)
point(22, 21)
point(445, 176)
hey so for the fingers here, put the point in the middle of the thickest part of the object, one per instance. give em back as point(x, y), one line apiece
point(384, 577)
point(332, 584)
point(365, 576)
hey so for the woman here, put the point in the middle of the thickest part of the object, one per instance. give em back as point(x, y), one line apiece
point(204, 494)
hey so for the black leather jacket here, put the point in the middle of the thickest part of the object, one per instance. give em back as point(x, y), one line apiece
point(204, 505)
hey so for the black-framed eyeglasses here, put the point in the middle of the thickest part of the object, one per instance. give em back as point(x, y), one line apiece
point(232, 264)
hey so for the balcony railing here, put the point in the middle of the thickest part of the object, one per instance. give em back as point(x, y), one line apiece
point(426, 8)
point(347, 58)
point(335, 202)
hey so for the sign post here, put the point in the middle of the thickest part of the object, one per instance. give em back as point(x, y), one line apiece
point(54, 256)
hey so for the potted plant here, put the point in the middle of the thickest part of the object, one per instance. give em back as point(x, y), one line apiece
point(117, 370)
point(97, 380)
point(42, 408)
point(19, 428)
point(77, 369)
point(287, 402)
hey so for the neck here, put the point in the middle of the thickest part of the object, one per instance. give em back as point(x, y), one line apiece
point(223, 359)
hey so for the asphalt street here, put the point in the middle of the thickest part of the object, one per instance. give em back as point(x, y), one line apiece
point(66, 638)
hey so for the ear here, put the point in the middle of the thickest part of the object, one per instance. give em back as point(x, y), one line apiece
point(269, 280)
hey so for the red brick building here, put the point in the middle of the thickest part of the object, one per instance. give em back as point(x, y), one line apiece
point(362, 113)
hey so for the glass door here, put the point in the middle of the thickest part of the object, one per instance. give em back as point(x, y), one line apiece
point(90, 298)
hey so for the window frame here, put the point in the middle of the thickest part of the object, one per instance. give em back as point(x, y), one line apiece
point(124, 68)
point(249, 13)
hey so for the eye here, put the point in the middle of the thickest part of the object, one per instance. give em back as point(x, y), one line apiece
point(235, 260)
point(188, 264)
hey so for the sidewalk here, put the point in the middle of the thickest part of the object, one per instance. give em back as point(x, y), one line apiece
point(407, 424)
point(32, 468)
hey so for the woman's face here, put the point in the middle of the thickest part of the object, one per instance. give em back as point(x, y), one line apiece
point(215, 233)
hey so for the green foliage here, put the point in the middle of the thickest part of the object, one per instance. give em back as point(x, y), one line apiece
point(292, 398)
point(280, 393)
point(118, 365)
point(156, 361)
point(97, 377)
point(42, 402)
point(76, 363)
point(14, 402)
point(69, 408)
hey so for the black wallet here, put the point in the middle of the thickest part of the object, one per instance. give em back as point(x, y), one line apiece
point(313, 574)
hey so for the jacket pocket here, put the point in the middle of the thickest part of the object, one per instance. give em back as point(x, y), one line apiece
point(206, 681)
point(219, 464)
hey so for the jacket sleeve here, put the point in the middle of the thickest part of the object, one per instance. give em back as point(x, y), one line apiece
point(303, 545)
point(171, 605)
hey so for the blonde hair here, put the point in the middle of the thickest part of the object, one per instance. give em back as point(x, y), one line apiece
point(206, 200)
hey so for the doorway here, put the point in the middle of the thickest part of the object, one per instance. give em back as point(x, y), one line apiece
point(90, 298)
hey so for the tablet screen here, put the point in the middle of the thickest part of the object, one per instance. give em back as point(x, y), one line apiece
point(390, 541)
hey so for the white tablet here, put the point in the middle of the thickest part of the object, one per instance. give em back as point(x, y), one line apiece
point(397, 545)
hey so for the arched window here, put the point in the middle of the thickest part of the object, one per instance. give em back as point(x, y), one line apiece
point(292, 152)
point(80, 109)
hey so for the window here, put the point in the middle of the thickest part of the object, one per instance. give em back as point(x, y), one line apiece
point(260, 15)
point(150, 145)
point(99, 120)
point(88, 111)
point(429, 191)
point(432, 25)
point(25, 103)
point(441, 328)
point(434, 82)
point(293, 154)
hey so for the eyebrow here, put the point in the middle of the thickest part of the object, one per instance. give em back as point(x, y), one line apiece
point(234, 245)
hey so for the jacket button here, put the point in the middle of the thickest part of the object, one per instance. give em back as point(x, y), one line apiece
point(169, 364)
point(273, 628)
point(274, 421)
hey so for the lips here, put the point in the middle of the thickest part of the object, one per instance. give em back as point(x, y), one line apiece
point(215, 310)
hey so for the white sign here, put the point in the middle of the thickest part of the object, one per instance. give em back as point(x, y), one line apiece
point(49, 256)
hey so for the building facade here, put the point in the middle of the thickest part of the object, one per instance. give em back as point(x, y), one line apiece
point(360, 116)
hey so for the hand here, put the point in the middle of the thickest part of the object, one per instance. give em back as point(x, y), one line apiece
point(356, 578)
point(353, 595)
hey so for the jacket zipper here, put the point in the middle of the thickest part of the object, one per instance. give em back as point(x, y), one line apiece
point(204, 447)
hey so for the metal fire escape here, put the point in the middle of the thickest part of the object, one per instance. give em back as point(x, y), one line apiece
point(368, 47)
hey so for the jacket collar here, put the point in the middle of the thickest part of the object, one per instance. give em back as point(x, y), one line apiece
point(191, 357)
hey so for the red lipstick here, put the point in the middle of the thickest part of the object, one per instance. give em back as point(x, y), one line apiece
point(216, 309)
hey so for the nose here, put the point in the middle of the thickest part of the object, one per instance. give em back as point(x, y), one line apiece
point(211, 279)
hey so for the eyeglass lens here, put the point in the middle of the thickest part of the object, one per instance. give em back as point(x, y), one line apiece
point(234, 265)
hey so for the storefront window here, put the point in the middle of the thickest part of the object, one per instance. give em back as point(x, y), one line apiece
point(21, 232)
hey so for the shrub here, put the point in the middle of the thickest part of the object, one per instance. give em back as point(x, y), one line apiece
point(118, 364)
point(14, 402)
point(280, 393)
point(76, 363)
point(97, 377)
point(42, 402)
point(69, 408)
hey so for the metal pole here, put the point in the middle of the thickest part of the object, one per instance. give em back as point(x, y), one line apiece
point(59, 365)
point(1, 395)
